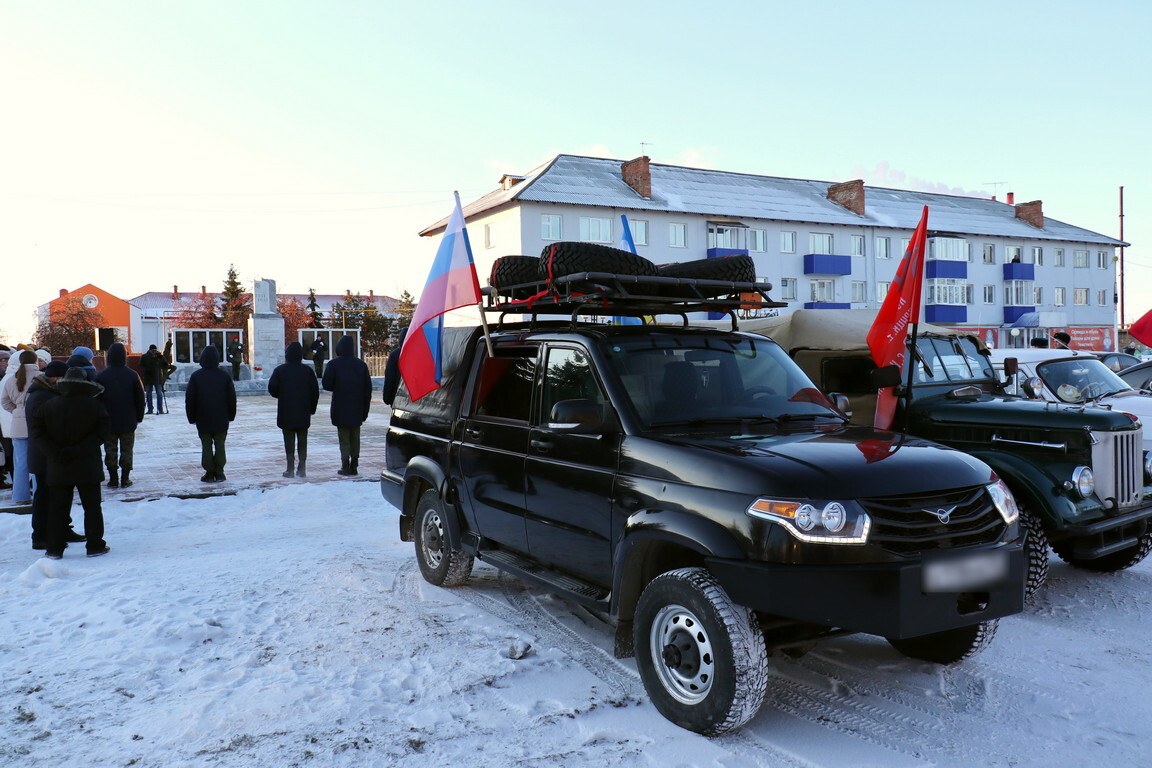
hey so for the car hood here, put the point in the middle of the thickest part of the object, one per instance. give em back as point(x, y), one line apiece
point(844, 462)
point(1012, 412)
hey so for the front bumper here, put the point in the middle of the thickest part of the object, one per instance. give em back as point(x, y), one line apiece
point(886, 599)
point(1112, 534)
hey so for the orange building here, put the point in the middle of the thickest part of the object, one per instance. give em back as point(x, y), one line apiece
point(115, 311)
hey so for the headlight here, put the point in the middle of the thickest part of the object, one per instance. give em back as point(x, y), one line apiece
point(1083, 481)
point(1003, 501)
point(832, 522)
point(1148, 467)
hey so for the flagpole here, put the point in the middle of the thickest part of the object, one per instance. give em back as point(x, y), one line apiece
point(911, 358)
point(480, 303)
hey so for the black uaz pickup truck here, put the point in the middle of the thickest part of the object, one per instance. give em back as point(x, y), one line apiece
point(696, 485)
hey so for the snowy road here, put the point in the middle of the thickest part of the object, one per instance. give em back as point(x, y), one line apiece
point(291, 627)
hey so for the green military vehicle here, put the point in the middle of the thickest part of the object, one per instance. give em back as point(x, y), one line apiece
point(1079, 473)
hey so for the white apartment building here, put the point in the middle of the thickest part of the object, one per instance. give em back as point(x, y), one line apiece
point(991, 266)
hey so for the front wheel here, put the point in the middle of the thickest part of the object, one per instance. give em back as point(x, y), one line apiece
point(949, 646)
point(1117, 561)
point(701, 656)
point(1035, 551)
point(439, 563)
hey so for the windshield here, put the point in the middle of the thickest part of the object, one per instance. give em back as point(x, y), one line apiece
point(674, 379)
point(1080, 380)
point(949, 360)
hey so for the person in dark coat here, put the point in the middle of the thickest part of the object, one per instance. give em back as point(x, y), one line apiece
point(319, 355)
point(210, 403)
point(84, 364)
point(42, 390)
point(235, 357)
point(294, 386)
point(69, 431)
point(392, 370)
point(347, 378)
point(168, 369)
point(88, 355)
point(123, 396)
point(152, 375)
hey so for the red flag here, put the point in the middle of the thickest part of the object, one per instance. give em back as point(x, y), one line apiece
point(889, 332)
point(1141, 330)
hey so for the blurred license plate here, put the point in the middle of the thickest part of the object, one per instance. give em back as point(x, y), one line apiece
point(977, 571)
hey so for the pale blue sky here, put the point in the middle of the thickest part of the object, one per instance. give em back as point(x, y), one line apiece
point(149, 144)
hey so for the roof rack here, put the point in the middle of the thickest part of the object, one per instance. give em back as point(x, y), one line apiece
point(606, 293)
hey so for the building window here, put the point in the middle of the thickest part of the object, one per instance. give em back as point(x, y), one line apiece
point(678, 235)
point(857, 245)
point(1038, 298)
point(883, 248)
point(725, 236)
point(639, 229)
point(487, 235)
point(758, 240)
point(551, 227)
point(859, 291)
point(1037, 255)
point(595, 230)
point(946, 291)
point(1012, 254)
point(1058, 296)
point(989, 294)
point(788, 289)
point(1102, 297)
point(1102, 259)
point(823, 290)
point(1080, 296)
point(947, 249)
point(1058, 257)
point(882, 289)
point(1080, 259)
point(989, 253)
point(787, 242)
point(819, 242)
point(904, 243)
point(1018, 293)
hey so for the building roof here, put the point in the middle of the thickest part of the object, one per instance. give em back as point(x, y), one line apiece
point(156, 303)
point(592, 181)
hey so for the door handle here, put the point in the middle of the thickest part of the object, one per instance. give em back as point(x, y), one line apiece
point(473, 434)
point(540, 445)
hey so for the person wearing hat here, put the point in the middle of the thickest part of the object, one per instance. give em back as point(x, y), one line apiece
point(152, 374)
point(210, 404)
point(13, 393)
point(5, 427)
point(42, 390)
point(123, 396)
point(88, 355)
point(69, 430)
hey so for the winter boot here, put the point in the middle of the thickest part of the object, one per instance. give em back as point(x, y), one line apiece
point(300, 469)
point(288, 472)
point(113, 481)
point(352, 465)
point(345, 465)
point(124, 481)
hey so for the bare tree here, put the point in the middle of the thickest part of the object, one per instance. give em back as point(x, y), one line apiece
point(70, 324)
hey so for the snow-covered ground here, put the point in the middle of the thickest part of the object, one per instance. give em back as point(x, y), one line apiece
point(290, 627)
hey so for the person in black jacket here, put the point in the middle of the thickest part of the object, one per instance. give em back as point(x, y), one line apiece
point(319, 354)
point(43, 389)
point(69, 431)
point(347, 378)
point(123, 396)
point(392, 369)
point(210, 404)
point(294, 386)
point(152, 375)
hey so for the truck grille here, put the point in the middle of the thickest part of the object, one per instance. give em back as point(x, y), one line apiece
point(906, 525)
point(1118, 466)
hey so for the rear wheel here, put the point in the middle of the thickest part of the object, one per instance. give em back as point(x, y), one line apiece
point(949, 646)
point(439, 563)
point(702, 657)
point(1117, 561)
point(1035, 550)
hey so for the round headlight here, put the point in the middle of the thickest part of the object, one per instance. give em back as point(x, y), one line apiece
point(1084, 482)
point(833, 517)
point(806, 517)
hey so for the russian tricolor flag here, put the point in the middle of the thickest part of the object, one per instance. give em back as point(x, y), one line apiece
point(451, 284)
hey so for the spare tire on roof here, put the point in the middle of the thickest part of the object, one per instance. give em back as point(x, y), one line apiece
point(572, 258)
point(508, 271)
point(734, 268)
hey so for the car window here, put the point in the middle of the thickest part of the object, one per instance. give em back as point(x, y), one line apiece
point(568, 375)
point(949, 360)
point(1079, 380)
point(504, 384)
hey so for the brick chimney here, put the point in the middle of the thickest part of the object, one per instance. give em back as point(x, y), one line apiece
point(371, 296)
point(63, 292)
point(637, 175)
point(849, 194)
point(1011, 198)
point(175, 293)
point(1031, 213)
point(203, 291)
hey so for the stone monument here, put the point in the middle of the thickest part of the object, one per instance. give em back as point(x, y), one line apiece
point(265, 330)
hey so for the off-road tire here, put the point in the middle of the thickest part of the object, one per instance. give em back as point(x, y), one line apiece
point(949, 646)
point(1117, 561)
point(510, 271)
point(701, 656)
point(736, 268)
point(439, 563)
point(571, 258)
point(1035, 551)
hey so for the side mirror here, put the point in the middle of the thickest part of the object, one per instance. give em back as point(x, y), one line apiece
point(888, 376)
point(579, 417)
point(842, 403)
point(1011, 367)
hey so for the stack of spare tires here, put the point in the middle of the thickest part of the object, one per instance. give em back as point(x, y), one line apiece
point(521, 277)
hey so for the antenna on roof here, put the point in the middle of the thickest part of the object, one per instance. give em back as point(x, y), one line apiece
point(643, 148)
point(995, 187)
